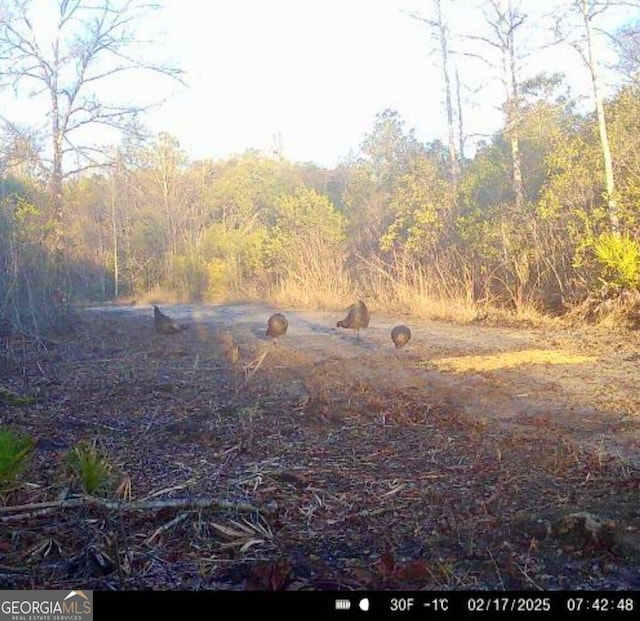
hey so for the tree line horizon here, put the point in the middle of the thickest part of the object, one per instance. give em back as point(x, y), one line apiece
point(542, 217)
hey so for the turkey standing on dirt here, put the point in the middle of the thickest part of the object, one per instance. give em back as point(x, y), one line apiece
point(277, 326)
point(400, 335)
point(164, 324)
point(357, 317)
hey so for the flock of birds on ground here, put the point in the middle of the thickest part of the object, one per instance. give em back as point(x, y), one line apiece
point(277, 325)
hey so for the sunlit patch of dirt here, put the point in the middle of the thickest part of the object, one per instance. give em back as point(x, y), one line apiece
point(506, 360)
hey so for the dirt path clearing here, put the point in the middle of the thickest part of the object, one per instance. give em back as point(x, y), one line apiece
point(583, 380)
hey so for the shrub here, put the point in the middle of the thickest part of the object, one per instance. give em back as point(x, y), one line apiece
point(90, 466)
point(14, 451)
point(619, 255)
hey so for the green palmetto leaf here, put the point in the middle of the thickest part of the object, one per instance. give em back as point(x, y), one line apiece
point(14, 450)
point(90, 466)
point(620, 256)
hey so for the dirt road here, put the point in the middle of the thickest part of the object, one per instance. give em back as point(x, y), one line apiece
point(584, 380)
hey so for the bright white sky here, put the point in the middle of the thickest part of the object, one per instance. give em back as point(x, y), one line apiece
point(312, 74)
point(315, 73)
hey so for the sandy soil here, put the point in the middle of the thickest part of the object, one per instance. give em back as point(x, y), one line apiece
point(474, 457)
point(581, 379)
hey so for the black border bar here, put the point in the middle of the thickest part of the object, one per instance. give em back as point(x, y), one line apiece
point(322, 605)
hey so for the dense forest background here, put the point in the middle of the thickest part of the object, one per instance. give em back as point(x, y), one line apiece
point(542, 218)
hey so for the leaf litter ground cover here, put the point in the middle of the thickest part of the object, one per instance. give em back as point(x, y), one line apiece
point(317, 463)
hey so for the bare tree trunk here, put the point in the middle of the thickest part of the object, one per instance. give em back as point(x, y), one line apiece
point(57, 133)
point(460, 125)
point(505, 23)
point(592, 63)
point(444, 50)
point(514, 112)
point(114, 229)
point(56, 173)
point(440, 31)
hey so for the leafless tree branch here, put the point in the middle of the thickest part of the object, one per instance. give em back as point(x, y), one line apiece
point(92, 43)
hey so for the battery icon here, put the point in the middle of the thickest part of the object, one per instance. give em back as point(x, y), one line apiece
point(343, 604)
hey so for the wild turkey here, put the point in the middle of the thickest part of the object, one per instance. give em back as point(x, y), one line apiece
point(400, 335)
point(277, 326)
point(164, 324)
point(357, 317)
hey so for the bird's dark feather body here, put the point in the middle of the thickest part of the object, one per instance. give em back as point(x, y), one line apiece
point(357, 317)
point(400, 335)
point(164, 324)
point(277, 325)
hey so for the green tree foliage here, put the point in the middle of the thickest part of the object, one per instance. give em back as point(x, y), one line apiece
point(239, 198)
point(387, 153)
point(245, 187)
point(422, 205)
point(526, 221)
point(234, 257)
point(257, 224)
point(624, 133)
point(305, 228)
point(305, 247)
point(516, 253)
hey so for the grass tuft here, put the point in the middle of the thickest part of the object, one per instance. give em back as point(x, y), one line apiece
point(91, 467)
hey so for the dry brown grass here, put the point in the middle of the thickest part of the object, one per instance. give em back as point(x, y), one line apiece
point(429, 293)
point(611, 309)
point(412, 293)
point(315, 279)
point(303, 292)
point(412, 290)
point(159, 295)
point(315, 283)
point(324, 286)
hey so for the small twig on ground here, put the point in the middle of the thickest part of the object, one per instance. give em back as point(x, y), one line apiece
point(13, 570)
point(20, 512)
point(252, 368)
point(495, 564)
point(165, 490)
point(165, 527)
point(153, 418)
point(93, 423)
